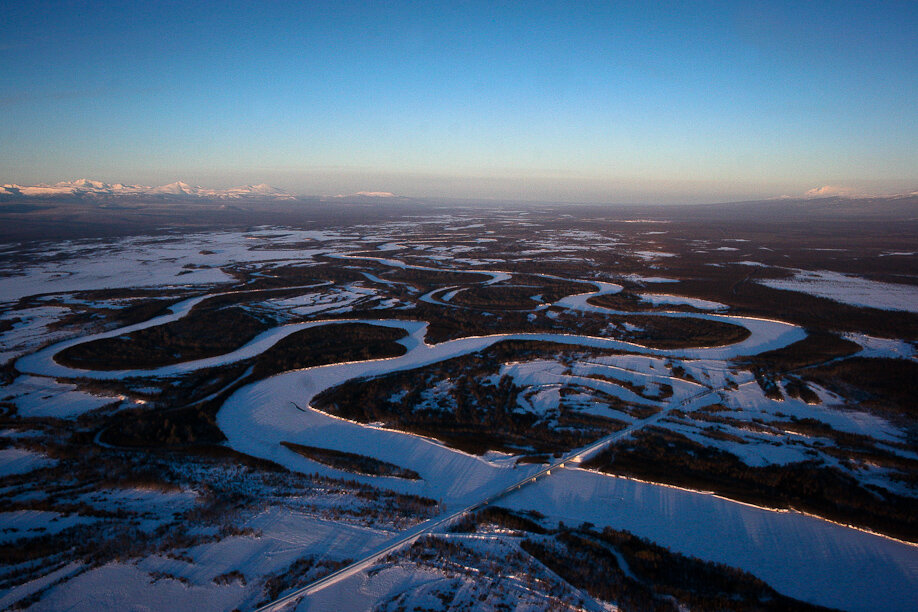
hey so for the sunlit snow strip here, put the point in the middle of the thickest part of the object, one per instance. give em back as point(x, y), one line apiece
point(872, 346)
point(846, 289)
point(637, 278)
point(663, 299)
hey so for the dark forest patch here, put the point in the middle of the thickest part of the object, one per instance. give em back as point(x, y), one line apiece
point(888, 386)
point(665, 332)
point(518, 294)
point(351, 462)
point(202, 333)
point(667, 457)
point(479, 412)
point(179, 425)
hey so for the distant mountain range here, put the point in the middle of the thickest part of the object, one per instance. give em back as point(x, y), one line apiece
point(92, 194)
point(89, 190)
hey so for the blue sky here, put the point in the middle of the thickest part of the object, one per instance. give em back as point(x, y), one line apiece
point(615, 102)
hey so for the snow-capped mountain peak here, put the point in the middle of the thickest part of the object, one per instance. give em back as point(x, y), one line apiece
point(367, 194)
point(85, 184)
point(88, 189)
point(177, 188)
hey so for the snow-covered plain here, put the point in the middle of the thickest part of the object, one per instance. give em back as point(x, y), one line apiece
point(800, 556)
point(278, 539)
point(42, 397)
point(32, 523)
point(883, 347)
point(848, 289)
point(22, 461)
point(30, 329)
point(170, 260)
point(123, 586)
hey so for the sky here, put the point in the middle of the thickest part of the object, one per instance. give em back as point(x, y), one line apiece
point(594, 102)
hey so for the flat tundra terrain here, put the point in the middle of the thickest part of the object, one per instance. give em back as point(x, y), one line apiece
point(519, 409)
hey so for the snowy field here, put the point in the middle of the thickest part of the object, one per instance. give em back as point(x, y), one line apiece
point(663, 299)
point(21, 461)
point(849, 289)
point(701, 393)
point(195, 259)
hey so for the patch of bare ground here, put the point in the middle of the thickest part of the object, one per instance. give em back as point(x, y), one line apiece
point(286, 275)
point(623, 300)
point(429, 279)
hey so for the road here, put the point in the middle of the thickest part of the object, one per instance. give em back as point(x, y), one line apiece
point(42, 363)
point(410, 536)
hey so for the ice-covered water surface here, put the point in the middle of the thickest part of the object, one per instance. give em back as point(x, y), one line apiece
point(800, 556)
